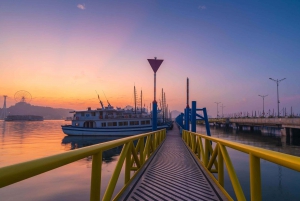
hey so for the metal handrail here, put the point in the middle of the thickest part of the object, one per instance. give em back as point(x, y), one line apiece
point(216, 156)
point(134, 156)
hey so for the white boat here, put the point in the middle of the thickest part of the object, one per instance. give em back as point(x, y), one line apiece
point(108, 121)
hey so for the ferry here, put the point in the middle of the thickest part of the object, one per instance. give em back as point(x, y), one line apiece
point(109, 121)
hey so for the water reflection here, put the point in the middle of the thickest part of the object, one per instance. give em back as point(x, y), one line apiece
point(268, 140)
point(278, 183)
point(3, 128)
point(83, 141)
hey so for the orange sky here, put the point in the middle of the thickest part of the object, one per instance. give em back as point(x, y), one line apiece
point(62, 53)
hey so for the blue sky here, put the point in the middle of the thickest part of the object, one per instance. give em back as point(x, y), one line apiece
point(62, 51)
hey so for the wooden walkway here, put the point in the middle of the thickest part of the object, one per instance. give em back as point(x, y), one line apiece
point(172, 173)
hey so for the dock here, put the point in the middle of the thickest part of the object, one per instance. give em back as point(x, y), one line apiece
point(173, 173)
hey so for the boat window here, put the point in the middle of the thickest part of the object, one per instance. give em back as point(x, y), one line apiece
point(103, 124)
point(112, 124)
point(93, 113)
point(143, 122)
point(123, 123)
point(101, 113)
point(89, 124)
point(134, 122)
point(82, 114)
point(148, 122)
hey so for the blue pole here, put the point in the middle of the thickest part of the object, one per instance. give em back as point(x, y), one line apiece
point(187, 119)
point(193, 115)
point(181, 120)
point(154, 116)
point(184, 125)
point(206, 122)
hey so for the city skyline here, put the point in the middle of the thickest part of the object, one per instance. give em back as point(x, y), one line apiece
point(61, 52)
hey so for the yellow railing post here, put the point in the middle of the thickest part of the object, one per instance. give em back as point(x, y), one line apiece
point(128, 165)
point(234, 180)
point(198, 147)
point(213, 157)
point(206, 152)
point(147, 147)
point(255, 178)
point(160, 136)
point(156, 139)
point(96, 177)
point(187, 137)
point(220, 167)
point(193, 142)
point(113, 180)
point(153, 142)
point(142, 158)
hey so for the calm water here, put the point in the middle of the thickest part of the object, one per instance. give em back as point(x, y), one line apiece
point(23, 141)
point(278, 183)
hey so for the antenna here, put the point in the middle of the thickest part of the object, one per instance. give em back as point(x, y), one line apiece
point(106, 99)
point(99, 100)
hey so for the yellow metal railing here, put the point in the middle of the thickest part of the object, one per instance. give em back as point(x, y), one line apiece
point(215, 156)
point(132, 157)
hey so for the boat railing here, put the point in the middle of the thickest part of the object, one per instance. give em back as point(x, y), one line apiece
point(135, 152)
point(214, 155)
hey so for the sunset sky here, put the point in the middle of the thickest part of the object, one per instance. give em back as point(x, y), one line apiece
point(62, 51)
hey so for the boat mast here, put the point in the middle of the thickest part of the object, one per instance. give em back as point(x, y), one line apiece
point(99, 100)
point(134, 99)
point(162, 104)
point(165, 108)
point(106, 99)
point(141, 101)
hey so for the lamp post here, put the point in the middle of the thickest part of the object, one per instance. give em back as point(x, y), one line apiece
point(222, 109)
point(263, 96)
point(155, 64)
point(217, 109)
point(277, 82)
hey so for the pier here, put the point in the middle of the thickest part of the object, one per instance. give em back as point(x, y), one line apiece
point(173, 174)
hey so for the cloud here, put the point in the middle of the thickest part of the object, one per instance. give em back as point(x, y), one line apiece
point(202, 7)
point(81, 6)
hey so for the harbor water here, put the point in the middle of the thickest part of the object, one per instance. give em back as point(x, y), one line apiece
point(278, 183)
point(23, 141)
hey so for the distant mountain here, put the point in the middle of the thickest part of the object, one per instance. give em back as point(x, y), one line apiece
point(23, 108)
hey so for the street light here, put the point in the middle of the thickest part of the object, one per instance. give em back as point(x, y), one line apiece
point(222, 109)
point(217, 109)
point(263, 96)
point(277, 81)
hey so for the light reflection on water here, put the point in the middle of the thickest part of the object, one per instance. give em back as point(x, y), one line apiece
point(278, 183)
point(23, 141)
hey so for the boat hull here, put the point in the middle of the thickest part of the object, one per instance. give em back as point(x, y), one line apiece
point(79, 131)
